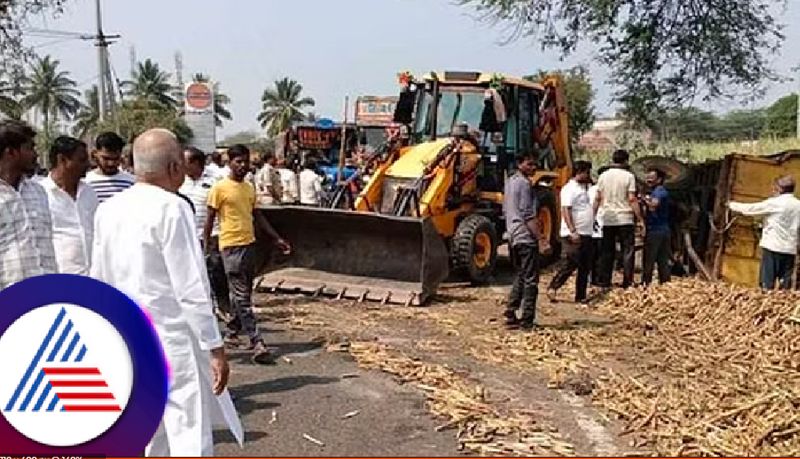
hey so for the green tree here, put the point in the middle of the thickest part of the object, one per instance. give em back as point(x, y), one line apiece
point(742, 125)
point(149, 83)
point(14, 16)
point(579, 93)
point(51, 91)
point(137, 116)
point(11, 101)
point(282, 106)
point(661, 53)
point(89, 113)
point(782, 117)
point(243, 137)
point(221, 101)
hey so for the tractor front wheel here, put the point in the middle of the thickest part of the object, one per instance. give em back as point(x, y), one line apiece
point(474, 248)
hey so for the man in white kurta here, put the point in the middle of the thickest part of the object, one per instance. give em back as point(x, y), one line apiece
point(146, 246)
point(73, 204)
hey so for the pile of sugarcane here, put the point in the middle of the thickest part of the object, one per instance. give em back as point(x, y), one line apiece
point(481, 427)
point(690, 368)
point(716, 369)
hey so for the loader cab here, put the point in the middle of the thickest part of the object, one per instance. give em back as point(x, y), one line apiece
point(463, 100)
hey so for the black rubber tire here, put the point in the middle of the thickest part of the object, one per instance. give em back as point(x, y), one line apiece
point(463, 247)
point(548, 200)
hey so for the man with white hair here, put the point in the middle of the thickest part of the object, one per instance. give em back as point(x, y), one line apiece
point(781, 214)
point(146, 246)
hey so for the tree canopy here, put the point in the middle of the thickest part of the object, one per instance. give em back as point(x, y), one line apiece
point(661, 53)
point(283, 105)
point(579, 93)
point(137, 116)
point(782, 117)
point(151, 84)
point(14, 15)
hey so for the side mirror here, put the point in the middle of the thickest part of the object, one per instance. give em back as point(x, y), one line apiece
point(404, 111)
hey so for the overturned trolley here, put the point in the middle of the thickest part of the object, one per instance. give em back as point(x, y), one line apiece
point(353, 255)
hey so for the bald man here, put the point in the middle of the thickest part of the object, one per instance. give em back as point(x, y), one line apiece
point(146, 246)
point(779, 237)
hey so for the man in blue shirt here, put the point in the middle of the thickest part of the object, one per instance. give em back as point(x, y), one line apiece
point(657, 242)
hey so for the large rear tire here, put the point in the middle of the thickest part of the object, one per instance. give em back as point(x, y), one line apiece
point(474, 249)
point(550, 223)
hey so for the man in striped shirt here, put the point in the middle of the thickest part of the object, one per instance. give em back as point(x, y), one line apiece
point(108, 179)
point(196, 187)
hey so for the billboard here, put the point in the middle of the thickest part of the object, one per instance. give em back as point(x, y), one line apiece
point(375, 110)
point(199, 115)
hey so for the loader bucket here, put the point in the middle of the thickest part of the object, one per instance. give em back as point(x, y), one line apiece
point(354, 255)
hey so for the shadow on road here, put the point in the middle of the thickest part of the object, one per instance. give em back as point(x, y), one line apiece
point(279, 385)
point(290, 348)
point(244, 395)
point(222, 437)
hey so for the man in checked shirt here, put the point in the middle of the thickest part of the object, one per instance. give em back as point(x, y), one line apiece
point(26, 232)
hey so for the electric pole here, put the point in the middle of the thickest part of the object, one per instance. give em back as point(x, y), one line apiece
point(105, 87)
point(102, 45)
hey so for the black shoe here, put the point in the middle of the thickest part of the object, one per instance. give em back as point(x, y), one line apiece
point(262, 355)
point(528, 326)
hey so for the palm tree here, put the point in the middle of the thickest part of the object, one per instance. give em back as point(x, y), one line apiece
point(50, 90)
point(150, 84)
point(220, 100)
point(282, 105)
point(89, 113)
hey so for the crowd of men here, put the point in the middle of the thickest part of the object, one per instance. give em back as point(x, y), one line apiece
point(176, 233)
point(600, 221)
point(176, 237)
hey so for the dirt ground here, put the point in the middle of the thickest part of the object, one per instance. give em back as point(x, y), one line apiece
point(639, 372)
point(457, 332)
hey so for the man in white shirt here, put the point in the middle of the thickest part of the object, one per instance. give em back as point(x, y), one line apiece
point(196, 187)
point(108, 179)
point(310, 185)
point(597, 232)
point(779, 237)
point(26, 231)
point(577, 221)
point(72, 205)
point(290, 193)
point(146, 246)
point(616, 199)
point(268, 183)
point(217, 167)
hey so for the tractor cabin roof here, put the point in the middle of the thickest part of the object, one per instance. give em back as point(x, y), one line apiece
point(481, 78)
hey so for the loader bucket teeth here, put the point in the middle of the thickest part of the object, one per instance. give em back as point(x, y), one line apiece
point(353, 255)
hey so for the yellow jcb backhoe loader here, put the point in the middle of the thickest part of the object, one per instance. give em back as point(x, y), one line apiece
point(434, 208)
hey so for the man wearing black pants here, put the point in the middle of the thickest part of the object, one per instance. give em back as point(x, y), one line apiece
point(577, 221)
point(520, 207)
point(616, 199)
point(658, 241)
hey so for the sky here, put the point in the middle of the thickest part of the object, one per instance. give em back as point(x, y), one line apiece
point(333, 48)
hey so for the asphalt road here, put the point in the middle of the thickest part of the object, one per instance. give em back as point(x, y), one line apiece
point(311, 393)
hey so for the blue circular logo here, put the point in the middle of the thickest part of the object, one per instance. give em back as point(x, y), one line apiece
point(84, 370)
